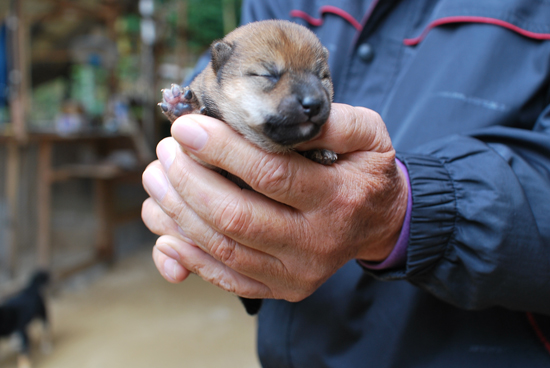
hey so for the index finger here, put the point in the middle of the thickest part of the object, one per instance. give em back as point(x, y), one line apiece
point(270, 174)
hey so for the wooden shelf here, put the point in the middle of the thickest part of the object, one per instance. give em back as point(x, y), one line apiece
point(36, 136)
point(16, 133)
point(93, 171)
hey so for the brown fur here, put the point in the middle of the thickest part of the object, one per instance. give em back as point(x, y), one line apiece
point(260, 81)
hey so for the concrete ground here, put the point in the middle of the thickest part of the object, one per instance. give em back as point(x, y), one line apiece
point(128, 316)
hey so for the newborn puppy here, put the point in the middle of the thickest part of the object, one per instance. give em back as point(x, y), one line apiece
point(268, 80)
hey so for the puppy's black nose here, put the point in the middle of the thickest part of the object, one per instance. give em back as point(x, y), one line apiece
point(311, 105)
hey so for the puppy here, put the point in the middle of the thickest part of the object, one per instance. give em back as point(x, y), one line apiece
point(269, 81)
point(20, 310)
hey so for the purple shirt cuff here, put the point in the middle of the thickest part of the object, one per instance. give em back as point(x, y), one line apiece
point(398, 256)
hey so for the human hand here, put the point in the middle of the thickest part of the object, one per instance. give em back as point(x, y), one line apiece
point(302, 222)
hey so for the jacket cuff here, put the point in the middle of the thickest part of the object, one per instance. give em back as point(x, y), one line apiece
point(432, 216)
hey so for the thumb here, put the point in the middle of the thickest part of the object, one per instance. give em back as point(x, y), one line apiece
point(351, 129)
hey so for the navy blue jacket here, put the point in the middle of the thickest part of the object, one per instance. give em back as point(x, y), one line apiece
point(464, 88)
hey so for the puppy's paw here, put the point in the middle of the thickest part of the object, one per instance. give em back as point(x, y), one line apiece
point(177, 101)
point(321, 156)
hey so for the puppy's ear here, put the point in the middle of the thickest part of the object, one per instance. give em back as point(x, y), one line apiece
point(221, 52)
point(325, 52)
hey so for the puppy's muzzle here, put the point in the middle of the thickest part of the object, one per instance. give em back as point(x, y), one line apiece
point(299, 123)
point(300, 115)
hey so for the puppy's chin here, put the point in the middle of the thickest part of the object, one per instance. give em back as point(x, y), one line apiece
point(288, 134)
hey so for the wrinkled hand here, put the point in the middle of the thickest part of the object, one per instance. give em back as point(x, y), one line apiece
point(303, 222)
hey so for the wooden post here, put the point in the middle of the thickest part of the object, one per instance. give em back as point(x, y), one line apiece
point(19, 71)
point(44, 202)
point(12, 192)
point(104, 215)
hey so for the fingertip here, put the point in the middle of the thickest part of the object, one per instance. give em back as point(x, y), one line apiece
point(154, 182)
point(173, 271)
point(189, 133)
point(169, 268)
point(166, 152)
point(145, 209)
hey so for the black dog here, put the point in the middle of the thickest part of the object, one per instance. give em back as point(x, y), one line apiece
point(17, 312)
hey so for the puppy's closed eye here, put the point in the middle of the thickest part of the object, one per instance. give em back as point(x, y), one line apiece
point(271, 80)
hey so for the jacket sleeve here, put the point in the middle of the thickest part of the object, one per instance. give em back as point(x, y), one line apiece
point(256, 10)
point(480, 225)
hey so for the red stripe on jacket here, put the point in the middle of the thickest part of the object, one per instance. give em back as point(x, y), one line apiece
point(326, 9)
point(475, 19)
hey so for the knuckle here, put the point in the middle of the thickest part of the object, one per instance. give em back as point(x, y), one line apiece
point(299, 294)
point(371, 124)
point(252, 290)
point(222, 249)
point(272, 174)
point(310, 281)
point(300, 286)
point(180, 181)
point(176, 211)
point(381, 132)
point(231, 217)
point(217, 278)
point(353, 202)
point(346, 203)
point(222, 282)
point(375, 117)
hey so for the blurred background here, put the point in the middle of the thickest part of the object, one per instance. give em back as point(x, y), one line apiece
point(79, 83)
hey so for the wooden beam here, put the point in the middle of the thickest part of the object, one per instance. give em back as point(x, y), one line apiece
point(44, 203)
point(97, 11)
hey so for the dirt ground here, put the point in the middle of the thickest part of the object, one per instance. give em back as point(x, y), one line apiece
point(128, 316)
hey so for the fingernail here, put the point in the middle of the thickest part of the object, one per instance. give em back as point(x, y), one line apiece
point(172, 269)
point(189, 133)
point(166, 152)
point(169, 251)
point(155, 182)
